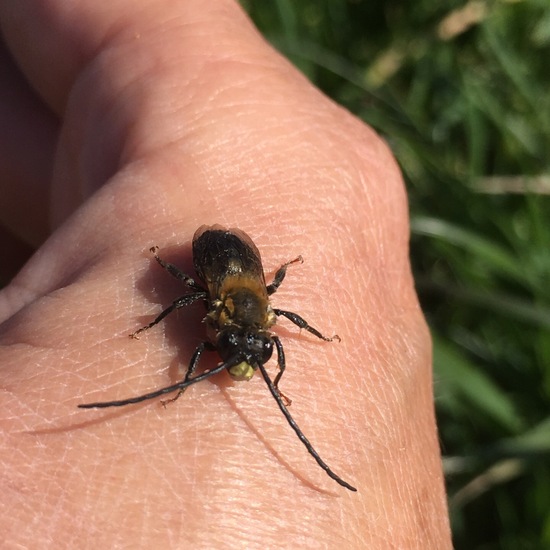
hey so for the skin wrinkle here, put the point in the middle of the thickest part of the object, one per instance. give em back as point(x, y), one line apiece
point(119, 93)
point(220, 89)
point(89, 172)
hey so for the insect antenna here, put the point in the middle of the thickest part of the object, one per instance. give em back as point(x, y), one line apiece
point(276, 395)
point(168, 389)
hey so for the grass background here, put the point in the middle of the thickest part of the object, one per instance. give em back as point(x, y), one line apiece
point(460, 90)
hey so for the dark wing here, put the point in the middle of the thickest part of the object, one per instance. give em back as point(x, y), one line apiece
point(219, 253)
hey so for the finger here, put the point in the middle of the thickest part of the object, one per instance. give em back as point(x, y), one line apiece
point(28, 133)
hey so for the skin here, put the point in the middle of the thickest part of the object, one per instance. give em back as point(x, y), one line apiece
point(128, 125)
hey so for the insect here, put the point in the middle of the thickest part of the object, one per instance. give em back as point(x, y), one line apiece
point(239, 316)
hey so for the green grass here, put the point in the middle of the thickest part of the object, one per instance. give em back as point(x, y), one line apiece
point(468, 117)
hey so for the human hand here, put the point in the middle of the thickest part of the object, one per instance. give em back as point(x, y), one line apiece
point(164, 116)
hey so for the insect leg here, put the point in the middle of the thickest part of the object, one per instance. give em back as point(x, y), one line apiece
point(299, 433)
point(175, 272)
point(186, 300)
point(281, 362)
point(302, 323)
point(280, 275)
point(191, 369)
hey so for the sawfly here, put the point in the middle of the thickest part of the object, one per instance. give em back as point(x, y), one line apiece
point(231, 283)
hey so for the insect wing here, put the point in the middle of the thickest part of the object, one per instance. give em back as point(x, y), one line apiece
point(219, 253)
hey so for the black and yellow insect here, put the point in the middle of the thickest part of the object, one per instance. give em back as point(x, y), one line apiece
point(239, 317)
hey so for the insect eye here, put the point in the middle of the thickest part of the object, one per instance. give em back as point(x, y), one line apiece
point(268, 351)
point(266, 345)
